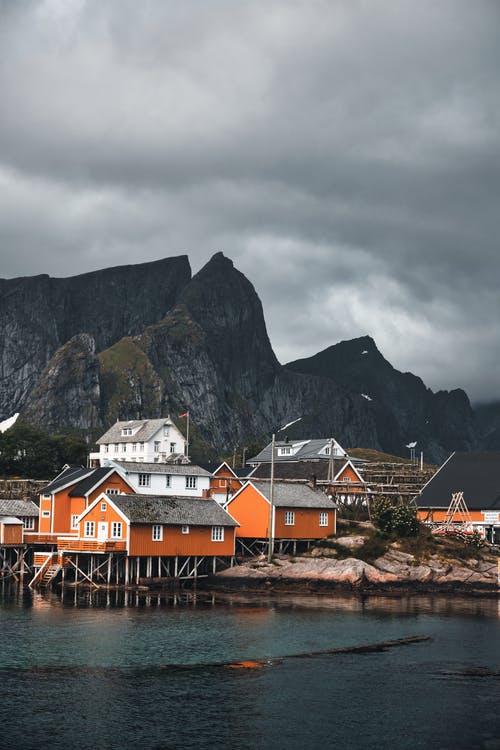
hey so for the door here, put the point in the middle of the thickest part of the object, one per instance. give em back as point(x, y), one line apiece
point(102, 531)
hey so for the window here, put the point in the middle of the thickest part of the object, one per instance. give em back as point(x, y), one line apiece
point(47, 497)
point(166, 430)
point(134, 447)
point(111, 491)
point(127, 431)
point(116, 530)
point(346, 479)
point(172, 447)
point(89, 528)
point(156, 446)
point(185, 529)
point(29, 523)
point(104, 506)
point(124, 447)
point(141, 446)
point(191, 483)
point(157, 533)
point(45, 513)
point(116, 447)
point(289, 518)
point(327, 450)
point(222, 482)
point(144, 480)
point(285, 451)
point(217, 533)
point(323, 519)
point(106, 448)
point(168, 480)
point(74, 521)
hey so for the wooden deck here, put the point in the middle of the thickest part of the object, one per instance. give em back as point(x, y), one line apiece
point(70, 544)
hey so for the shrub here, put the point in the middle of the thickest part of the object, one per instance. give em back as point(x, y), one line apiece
point(400, 520)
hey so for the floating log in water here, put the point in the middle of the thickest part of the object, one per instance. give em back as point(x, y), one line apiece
point(367, 648)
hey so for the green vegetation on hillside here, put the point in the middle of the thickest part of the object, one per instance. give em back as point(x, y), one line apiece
point(29, 452)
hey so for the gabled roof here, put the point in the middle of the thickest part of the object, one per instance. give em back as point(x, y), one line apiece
point(175, 511)
point(144, 430)
point(66, 478)
point(302, 450)
point(286, 495)
point(139, 467)
point(93, 480)
point(21, 508)
point(214, 467)
point(475, 474)
point(10, 521)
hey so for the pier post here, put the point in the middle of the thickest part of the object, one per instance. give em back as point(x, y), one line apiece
point(126, 570)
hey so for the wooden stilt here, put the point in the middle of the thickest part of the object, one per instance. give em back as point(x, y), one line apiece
point(126, 570)
point(138, 569)
point(109, 569)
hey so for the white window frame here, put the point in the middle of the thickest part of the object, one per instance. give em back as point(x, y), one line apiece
point(29, 523)
point(289, 518)
point(156, 446)
point(172, 447)
point(74, 521)
point(157, 532)
point(116, 447)
point(45, 513)
point(217, 533)
point(104, 506)
point(89, 529)
point(323, 518)
point(185, 529)
point(166, 430)
point(124, 447)
point(285, 451)
point(116, 530)
point(191, 482)
point(106, 448)
point(111, 491)
point(144, 480)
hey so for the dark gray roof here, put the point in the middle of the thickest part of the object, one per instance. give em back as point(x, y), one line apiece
point(68, 476)
point(310, 449)
point(10, 507)
point(298, 470)
point(286, 495)
point(91, 481)
point(176, 511)
point(147, 429)
point(162, 468)
point(475, 474)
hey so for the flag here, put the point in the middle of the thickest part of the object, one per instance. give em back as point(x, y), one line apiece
point(183, 415)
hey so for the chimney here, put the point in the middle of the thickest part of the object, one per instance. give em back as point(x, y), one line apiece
point(205, 494)
point(312, 481)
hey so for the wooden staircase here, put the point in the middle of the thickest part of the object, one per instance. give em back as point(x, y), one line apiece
point(47, 572)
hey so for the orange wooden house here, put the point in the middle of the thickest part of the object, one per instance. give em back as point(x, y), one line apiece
point(11, 531)
point(68, 495)
point(224, 482)
point(299, 512)
point(153, 526)
point(477, 475)
point(24, 510)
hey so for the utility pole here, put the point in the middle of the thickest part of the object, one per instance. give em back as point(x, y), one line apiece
point(271, 503)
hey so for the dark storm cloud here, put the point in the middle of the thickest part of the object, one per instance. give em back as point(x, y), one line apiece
point(344, 154)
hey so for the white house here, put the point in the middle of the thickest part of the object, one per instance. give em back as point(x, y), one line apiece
point(181, 480)
point(300, 450)
point(141, 441)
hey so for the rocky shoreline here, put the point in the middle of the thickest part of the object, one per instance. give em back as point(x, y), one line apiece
point(395, 572)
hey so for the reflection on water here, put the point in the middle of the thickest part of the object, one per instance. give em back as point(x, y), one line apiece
point(102, 670)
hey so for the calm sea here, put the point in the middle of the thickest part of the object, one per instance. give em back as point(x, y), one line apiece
point(146, 672)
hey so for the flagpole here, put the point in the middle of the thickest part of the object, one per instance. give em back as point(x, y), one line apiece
point(187, 437)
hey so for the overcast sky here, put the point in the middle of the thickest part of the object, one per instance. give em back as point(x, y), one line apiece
point(344, 153)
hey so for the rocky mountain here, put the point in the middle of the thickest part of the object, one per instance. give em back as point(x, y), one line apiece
point(403, 408)
point(40, 314)
point(148, 340)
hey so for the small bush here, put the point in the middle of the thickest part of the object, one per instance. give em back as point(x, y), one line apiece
point(400, 520)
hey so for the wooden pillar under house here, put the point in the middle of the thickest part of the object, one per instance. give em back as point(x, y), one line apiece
point(127, 564)
point(76, 569)
point(108, 579)
point(138, 570)
point(176, 566)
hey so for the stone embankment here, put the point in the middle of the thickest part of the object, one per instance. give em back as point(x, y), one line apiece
point(393, 570)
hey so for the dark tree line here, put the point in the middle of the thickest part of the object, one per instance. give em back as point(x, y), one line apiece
point(31, 453)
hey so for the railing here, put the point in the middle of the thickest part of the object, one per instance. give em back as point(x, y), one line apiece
point(89, 545)
point(33, 537)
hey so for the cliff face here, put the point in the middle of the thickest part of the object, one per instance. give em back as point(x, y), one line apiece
point(403, 408)
point(143, 341)
point(39, 314)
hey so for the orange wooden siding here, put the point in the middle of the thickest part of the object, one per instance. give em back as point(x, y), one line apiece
point(251, 511)
point(108, 516)
point(306, 524)
point(437, 516)
point(222, 479)
point(11, 533)
point(65, 506)
point(197, 542)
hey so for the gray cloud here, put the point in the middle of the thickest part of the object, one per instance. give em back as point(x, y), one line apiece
point(344, 154)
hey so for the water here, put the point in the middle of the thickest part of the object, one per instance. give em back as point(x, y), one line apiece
point(101, 672)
